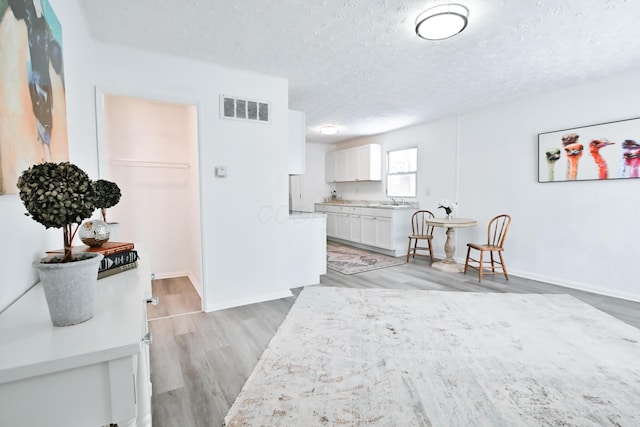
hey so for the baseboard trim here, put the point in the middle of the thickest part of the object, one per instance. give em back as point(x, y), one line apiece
point(569, 284)
point(196, 285)
point(577, 285)
point(158, 276)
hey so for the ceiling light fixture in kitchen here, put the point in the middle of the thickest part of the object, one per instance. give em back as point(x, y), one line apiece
point(329, 130)
point(441, 22)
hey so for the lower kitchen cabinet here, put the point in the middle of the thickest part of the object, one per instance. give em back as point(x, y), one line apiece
point(355, 228)
point(332, 224)
point(381, 229)
point(344, 226)
point(377, 231)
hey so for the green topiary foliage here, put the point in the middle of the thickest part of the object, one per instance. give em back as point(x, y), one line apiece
point(58, 195)
point(108, 195)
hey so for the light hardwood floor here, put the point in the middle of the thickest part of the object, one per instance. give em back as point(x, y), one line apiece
point(199, 362)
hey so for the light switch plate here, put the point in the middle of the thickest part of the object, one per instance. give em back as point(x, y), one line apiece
point(221, 171)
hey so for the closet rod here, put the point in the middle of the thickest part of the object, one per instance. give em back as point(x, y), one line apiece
point(148, 164)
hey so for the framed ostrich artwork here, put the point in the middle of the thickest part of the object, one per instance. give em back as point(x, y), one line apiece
point(33, 113)
point(596, 152)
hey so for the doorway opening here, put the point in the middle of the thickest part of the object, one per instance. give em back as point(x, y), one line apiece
point(149, 147)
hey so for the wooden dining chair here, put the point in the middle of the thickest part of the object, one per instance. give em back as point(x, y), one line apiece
point(420, 231)
point(496, 235)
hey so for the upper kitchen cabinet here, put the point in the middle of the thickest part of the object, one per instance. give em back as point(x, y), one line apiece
point(369, 160)
point(330, 166)
point(363, 163)
point(297, 131)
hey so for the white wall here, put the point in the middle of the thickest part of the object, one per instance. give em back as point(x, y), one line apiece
point(24, 240)
point(437, 148)
point(577, 234)
point(244, 215)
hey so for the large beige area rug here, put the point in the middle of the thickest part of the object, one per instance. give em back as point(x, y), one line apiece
point(350, 260)
point(375, 357)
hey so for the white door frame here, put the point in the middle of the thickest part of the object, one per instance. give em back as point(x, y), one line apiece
point(100, 91)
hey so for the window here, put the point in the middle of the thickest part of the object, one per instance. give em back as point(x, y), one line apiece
point(402, 172)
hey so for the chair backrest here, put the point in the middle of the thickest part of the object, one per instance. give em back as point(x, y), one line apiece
point(419, 224)
point(497, 230)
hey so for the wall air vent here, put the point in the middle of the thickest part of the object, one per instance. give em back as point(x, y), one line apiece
point(244, 109)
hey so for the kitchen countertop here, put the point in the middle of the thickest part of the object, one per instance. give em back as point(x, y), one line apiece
point(367, 205)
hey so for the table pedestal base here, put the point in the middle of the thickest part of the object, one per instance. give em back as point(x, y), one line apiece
point(448, 264)
point(448, 267)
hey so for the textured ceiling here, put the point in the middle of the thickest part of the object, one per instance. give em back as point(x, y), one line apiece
point(358, 64)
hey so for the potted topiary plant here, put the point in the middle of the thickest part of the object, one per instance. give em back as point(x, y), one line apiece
point(95, 232)
point(61, 195)
point(108, 196)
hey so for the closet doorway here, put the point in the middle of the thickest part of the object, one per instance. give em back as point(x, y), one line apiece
point(149, 148)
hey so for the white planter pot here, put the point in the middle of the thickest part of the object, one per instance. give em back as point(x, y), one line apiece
point(70, 289)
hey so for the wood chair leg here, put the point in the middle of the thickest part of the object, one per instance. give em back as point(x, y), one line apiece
point(480, 267)
point(504, 267)
point(409, 249)
point(493, 262)
point(430, 250)
point(466, 262)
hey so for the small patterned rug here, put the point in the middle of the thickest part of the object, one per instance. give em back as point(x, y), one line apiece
point(349, 260)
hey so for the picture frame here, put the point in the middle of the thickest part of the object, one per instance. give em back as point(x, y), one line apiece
point(33, 115)
point(604, 151)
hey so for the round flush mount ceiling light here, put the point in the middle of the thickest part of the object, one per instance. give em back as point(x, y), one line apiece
point(329, 130)
point(441, 22)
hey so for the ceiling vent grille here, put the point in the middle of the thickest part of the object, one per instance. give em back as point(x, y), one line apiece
point(244, 109)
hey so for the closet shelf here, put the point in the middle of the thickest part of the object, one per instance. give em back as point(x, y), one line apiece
point(148, 164)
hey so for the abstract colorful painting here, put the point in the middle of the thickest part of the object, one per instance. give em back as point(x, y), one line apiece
point(33, 113)
point(596, 152)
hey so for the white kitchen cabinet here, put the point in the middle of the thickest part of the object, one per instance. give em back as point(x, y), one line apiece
point(342, 166)
point(297, 142)
point(332, 218)
point(377, 231)
point(332, 224)
point(363, 163)
point(369, 163)
point(353, 163)
point(381, 229)
point(330, 166)
point(384, 233)
point(343, 226)
point(369, 235)
point(355, 228)
point(90, 374)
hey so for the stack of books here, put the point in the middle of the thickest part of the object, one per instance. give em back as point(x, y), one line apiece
point(118, 257)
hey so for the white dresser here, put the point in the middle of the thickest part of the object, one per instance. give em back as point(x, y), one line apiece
point(85, 375)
